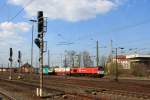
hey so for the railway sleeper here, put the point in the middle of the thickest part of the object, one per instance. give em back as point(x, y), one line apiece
point(125, 94)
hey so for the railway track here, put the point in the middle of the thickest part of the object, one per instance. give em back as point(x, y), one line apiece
point(5, 96)
point(55, 91)
point(90, 89)
point(142, 96)
point(96, 90)
point(90, 92)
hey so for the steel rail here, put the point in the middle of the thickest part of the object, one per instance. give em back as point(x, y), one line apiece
point(7, 96)
point(60, 92)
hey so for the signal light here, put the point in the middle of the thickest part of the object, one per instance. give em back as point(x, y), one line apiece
point(11, 52)
point(40, 21)
point(10, 59)
point(19, 54)
point(39, 35)
point(37, 42)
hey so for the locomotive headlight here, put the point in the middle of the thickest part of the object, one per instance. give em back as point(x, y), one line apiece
point(100, 72)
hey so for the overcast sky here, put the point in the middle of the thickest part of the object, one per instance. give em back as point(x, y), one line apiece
point(78, 22)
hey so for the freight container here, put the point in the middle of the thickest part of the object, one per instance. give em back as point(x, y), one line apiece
point(62, 71)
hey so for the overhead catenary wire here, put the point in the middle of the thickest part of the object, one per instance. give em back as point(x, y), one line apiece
point(16, 14)
point(134, 45)
point(19, 12)
point(64, 42)
point(135, 42)
point(117, 29)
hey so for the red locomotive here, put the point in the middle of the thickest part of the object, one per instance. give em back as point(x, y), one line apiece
point(90, 71)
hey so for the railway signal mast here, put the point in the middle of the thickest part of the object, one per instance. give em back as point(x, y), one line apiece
point(11, 60)
point(19, 62)
point(49, 58)
point(97, 53)
point(39, 41)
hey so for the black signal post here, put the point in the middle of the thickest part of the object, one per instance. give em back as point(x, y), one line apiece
point(39, 41)
point(11, 60)
point(40, 36)
point(19, 62)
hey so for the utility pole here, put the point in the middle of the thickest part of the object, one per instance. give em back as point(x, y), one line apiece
point(116, 67)
point(65, 62)
point(111, 50)
point(48, 58)
point(11, 60)
point(33, 21)
point(97, 54)
point(65, 65)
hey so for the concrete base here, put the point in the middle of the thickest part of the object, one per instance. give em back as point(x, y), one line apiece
point(10, 78)
point(39, 92)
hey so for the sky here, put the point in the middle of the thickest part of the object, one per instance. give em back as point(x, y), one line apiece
point(79, 23)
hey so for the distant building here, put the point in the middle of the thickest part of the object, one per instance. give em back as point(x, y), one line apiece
point(122, 60)
point(131, 63)
point(26, 68)
point(128, 60)
point(139, 59)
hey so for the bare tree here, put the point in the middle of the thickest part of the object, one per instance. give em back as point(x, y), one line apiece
point(103, 60)
point(69, 58)
point(79, 60)
point(87, 61)
point(73, 59)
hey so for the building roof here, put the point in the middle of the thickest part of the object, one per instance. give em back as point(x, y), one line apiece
point(26, 65)
point(120, 57)
point(138, 56)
